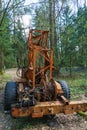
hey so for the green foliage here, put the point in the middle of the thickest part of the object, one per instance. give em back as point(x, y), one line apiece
point(68, 33)
point(29, 126)
point(3, 79)
point(84, 114)
point(41, 19)
point(78, 87)
point(12, 39)
point(69, 30)
point(19, 45)
point(82, 36)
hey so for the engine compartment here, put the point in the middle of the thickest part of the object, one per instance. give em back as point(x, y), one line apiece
point(28, 96)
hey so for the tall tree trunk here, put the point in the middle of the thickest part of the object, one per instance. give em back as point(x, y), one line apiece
point(77, 4)
point(52, 21)
point(1, 61)
point(55, 34)
point(70, 66)
point(0, 5)
point(85, 3)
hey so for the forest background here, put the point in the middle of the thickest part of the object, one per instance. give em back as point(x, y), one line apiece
point(66, 21)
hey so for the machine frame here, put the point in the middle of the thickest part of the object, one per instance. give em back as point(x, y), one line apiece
point(37, 93)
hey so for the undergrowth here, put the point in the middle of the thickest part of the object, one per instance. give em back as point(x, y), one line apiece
point(77, 84)
point(3, 79)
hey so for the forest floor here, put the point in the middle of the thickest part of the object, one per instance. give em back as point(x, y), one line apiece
point(59, 122)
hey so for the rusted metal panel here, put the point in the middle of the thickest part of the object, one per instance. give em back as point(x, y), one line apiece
point(76, 106)
point(49, 108)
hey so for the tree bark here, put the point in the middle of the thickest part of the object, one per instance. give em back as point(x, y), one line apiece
point(1, 62)
point(52, 21)
point(85, 3)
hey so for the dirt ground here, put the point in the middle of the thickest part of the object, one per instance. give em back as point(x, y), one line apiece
point(59, 122)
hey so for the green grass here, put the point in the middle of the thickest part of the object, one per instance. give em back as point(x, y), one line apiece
point(77, 84)
point(6, 77)
point(29, 125)
point(3, 79)
point(9, 128)
point(25, 123)
point(78, 87)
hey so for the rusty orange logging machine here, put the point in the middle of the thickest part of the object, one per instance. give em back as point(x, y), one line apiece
point(36, 93)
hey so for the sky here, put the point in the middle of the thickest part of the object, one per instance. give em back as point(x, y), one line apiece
point(27, 19)
point(30, 1)
point(72, 5)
